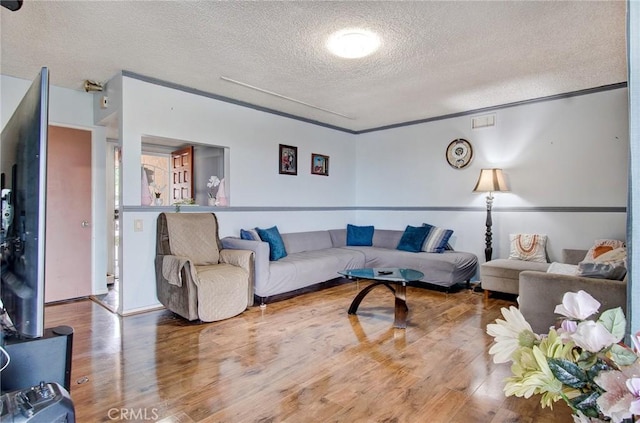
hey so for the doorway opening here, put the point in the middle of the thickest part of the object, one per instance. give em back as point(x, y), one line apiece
point(111, 300)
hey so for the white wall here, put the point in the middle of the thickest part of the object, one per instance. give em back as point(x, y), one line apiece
point(570, 153)
point(73, 109)
point(253, 138)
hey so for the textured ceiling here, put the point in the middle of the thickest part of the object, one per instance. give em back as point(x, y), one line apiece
point(436, 58)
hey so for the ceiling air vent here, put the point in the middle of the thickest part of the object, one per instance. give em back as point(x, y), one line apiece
point(486, 121)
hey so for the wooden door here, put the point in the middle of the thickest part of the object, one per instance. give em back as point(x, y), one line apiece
point(182, 174)
point(68, 218)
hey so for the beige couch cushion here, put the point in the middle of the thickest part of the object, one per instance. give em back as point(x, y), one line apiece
point(194, 235)
point(502, 275)
point(222, 291)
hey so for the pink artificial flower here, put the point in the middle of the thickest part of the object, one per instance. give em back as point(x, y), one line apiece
point(633, 385)
point(636, 342)
point(566, 329)
point(616, 401)
point(593, 336)
point(577, 305)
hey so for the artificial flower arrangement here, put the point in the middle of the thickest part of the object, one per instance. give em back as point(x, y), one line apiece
point(156, 190)
point(213, 182)
point(582, 362)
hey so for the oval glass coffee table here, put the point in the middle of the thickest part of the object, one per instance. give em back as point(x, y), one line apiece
point(386, 276)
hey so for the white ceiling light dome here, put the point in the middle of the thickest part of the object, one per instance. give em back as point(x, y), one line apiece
point(353, 43)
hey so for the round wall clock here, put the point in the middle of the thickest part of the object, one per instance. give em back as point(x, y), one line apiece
point(459, 153)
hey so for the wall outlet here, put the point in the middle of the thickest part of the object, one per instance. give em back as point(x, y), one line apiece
point(137, 225)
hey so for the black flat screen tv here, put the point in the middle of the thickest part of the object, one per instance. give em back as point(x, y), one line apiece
point(23, 170)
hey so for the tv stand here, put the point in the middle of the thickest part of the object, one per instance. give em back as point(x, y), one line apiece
point(33, 360)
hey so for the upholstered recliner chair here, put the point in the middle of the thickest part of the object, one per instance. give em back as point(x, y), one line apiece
point(195, 277)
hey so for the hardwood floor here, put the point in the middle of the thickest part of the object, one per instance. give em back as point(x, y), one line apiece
point(298, 360)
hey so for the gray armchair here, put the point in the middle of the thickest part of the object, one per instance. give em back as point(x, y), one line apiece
point(195, 277)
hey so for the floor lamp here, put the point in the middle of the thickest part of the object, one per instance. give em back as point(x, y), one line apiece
point(490, 180)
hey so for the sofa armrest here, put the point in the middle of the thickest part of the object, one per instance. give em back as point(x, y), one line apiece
point(261, 258)
point(570, 256)
point(243, 259)
point(182, 299)
point(541, 292)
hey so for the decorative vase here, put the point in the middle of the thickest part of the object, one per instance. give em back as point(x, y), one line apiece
point(211, 201)
point(158, 201)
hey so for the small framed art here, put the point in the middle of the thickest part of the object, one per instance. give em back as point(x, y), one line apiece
point(319, 164)
point(288, 160)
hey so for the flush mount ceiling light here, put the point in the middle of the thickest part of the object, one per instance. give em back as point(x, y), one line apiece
point(353, 43)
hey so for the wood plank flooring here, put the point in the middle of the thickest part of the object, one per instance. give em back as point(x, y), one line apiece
point(299, 360)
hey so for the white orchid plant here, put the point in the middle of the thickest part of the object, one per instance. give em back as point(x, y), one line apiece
point(582, 362)
point(213, 183)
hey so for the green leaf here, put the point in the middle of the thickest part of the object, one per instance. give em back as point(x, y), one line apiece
point(613, 319)
point(599, 366)
point(587, 360)
point(568, 373)
point(586, 403)
point(622, 356)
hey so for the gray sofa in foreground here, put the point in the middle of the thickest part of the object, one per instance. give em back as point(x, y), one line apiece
point(540, 292)
point(317, 256)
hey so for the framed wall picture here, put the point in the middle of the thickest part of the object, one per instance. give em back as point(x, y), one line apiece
point(319, 164)
point(288, 160)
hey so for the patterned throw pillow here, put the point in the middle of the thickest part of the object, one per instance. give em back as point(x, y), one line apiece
point(437, 240)
point(528, 247)
point(617, 257)
point(602, 246)
point(276, 244)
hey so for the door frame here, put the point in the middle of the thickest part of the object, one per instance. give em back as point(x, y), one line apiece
point(98, 205)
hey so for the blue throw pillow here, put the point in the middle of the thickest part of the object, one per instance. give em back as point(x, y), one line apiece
point(437, 240)
point(413, 238)
point(276, 245)
point(360, 236)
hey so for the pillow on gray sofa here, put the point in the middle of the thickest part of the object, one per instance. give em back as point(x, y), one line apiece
point(413, 238)
point(437, 240)
point(528, 247)
point(276, 244)
point(359, 236)
point(249, 234)
point(609, 265)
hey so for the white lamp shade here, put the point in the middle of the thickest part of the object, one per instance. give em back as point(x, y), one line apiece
point(491, 180)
